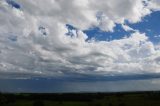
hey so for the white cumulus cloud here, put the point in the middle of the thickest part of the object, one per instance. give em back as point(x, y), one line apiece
point(33, 40)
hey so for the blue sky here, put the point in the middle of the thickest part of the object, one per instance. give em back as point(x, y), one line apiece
point(148, 25)
point(69, 45)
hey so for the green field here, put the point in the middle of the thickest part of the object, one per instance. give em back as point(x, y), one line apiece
point(81, 99)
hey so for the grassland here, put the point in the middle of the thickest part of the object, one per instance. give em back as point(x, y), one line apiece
point(81, 99)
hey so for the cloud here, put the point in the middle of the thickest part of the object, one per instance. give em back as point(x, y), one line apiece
point(127, 28)
point(154, 5)
point(33, 40)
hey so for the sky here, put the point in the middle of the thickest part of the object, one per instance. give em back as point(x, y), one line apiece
point(79, 45)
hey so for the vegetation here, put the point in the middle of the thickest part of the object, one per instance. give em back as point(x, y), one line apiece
point(81, 99)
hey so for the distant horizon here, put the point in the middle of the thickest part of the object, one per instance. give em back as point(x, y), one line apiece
point(59, 86)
